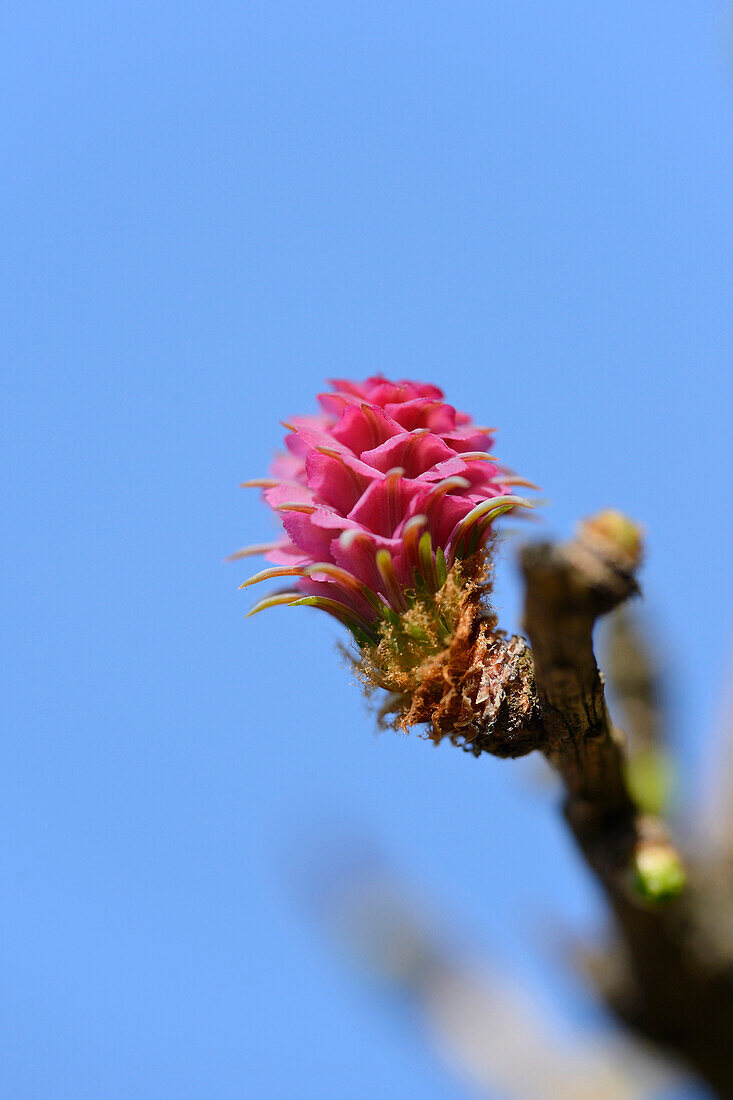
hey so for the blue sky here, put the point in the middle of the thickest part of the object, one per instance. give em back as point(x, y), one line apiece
point(209, 209)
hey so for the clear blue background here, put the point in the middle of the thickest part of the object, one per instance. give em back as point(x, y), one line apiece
point(208, 209)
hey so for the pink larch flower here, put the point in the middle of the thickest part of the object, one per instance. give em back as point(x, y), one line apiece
point(382, 496)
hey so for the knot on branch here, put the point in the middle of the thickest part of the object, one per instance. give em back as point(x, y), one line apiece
point(587, 577)
point(606, 555)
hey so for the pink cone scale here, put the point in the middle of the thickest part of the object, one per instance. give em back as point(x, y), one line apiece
point(380, 496)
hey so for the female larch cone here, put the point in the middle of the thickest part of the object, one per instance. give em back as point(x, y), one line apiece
point(388, 499)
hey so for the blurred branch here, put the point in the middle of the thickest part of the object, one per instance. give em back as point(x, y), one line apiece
point(634, 680)
point(717, 813)
point(633, 675)
point(488, 1029)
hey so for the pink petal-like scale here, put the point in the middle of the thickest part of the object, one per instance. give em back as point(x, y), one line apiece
point(385, 476)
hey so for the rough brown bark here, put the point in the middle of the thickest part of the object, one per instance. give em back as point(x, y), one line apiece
point(672, 975)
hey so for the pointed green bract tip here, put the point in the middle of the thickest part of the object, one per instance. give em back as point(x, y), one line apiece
point(658, 873)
